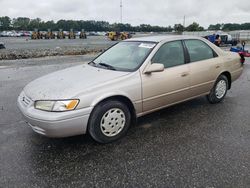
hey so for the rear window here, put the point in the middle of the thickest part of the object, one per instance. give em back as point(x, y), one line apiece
point(198, 50)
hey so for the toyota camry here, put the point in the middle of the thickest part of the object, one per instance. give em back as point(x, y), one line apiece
point(132, 78)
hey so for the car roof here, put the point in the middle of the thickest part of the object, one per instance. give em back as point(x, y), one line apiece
point(162, 38)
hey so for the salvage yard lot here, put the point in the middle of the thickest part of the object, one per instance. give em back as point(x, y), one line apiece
point(27, 43)
point(23, 47)
point(193, 144)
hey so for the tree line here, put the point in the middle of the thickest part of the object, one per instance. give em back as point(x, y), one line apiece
point(230, 26)
point(24, 23)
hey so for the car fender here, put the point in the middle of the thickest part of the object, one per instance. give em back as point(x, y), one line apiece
point(102, 97)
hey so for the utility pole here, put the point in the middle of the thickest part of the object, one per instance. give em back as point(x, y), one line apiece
point(121, 9)
point(184, 21)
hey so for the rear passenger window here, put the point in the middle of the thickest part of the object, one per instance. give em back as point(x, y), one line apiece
point(170, 54)
point(198, 50)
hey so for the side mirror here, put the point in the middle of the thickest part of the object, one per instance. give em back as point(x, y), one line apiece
point(155, 67)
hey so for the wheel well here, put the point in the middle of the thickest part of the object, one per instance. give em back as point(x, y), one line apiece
point(126, 101)
point(228, 75)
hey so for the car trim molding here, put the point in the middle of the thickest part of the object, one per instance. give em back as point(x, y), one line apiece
point(162, 107)
point(166, 94)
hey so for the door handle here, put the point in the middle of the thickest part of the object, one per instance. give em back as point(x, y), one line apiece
point(184, 74)
point(217, 66)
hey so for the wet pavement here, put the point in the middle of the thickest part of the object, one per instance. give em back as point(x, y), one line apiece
point(193, 144)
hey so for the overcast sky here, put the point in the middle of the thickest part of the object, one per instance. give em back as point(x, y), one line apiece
point(154, 12)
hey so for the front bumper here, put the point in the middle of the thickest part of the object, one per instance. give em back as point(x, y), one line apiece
point(54, 124)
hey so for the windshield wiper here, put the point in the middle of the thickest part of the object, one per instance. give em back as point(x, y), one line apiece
point(107, 66)
point(92, 63)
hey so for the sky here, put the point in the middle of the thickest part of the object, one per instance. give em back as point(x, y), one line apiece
point(154, 12)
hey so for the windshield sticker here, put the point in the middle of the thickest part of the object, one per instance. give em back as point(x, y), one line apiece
point(146, 45)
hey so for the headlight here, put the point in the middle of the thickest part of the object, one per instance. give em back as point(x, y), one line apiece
point(57, 106)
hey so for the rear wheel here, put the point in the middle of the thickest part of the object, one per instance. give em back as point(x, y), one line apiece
point(219, 90)
point(109, 121)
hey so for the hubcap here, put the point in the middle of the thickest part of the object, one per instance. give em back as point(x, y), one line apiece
point(113, 122)
point(221, 89)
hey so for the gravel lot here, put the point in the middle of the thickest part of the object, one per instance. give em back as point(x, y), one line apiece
point(24, 48)
point(193, 144)
point(26, 43)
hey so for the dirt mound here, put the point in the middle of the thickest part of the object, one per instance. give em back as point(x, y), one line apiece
point(10, 54)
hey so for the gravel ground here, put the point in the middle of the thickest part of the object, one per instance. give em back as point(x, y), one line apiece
point(24, 48)
point(26, 43)
point(51, 60)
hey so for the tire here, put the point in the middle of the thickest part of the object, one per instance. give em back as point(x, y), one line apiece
point(219, 91)
point(113, 115)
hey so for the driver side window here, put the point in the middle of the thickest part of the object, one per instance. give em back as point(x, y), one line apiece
point(170, 54)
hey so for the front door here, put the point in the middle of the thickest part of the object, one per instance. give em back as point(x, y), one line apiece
point(161, 89)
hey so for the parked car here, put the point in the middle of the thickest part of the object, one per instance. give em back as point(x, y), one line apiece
point(225, 39)
point(93, 34)
point(133, 78)
point(2, 46)
point(25, 33)
point(228, 39)
point(4, 34)
point(10, 34)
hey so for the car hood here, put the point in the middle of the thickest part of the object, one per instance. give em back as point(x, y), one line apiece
point(68, 83)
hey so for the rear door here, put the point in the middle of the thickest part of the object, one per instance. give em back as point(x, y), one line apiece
point(204, 66)
point(161, 89)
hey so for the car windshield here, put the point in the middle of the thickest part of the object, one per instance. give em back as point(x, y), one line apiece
point(124, 56)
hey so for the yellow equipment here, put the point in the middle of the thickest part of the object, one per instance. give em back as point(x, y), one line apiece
point(72, 34)
point(36, 35)
point(50, 35)
point(113, 35)
point(83, 35)
point(60, 34)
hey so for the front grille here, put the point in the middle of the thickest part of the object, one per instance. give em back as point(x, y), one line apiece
point(25, 100)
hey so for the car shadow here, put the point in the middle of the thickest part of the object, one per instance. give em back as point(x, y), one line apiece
point(164, 129)
point(169, 118)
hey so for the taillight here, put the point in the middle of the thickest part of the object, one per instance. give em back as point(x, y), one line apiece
point(242, 60)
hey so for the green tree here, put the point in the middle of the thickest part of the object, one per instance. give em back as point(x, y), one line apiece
point(21, 23)
point(231, 27)
point(194, 27)
point(215, 27)
point(245, 26)
point(34, 24)
point(178, 28)
point(5, 23)
point(169, 29)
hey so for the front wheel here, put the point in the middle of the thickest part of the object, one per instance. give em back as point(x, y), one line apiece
point(219, 90)
point(109, 121)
